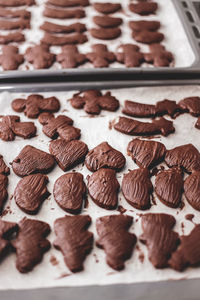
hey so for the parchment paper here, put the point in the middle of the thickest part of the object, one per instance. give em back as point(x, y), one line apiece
point(175, 38)
point(94, 131)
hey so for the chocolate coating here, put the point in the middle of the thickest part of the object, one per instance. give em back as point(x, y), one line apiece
point(69, 191)
point(107, 21)
point(73, 240)
point(30, 193)
point(191, 105)
point(138, 110)
point(70, 57)
point(68, 3)
point(13, 3)
point(115, 239)
point(19, 13)
point(103, 188)
point(104, 156)
point(10, 59)
point(57, 28)
point(55, 13)
point(143, 8)
point(146, 154)
point(141, 25)
point(148, 37)
point(137, 188)
point(158, 56)
point(61, 40)
point(100, 56)
point(32, 160)
point(68, 154)
point(107, 7)
point(40, 56)
point(192, 190)
point(105, 33)
point(16, 37)
point(130, 55)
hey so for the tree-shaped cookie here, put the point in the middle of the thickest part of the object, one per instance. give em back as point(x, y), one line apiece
point(40, 56)
point(130, 55)
point(74, 240)
point(158, 56)
point(70, 57)
point(34, 105)
point(115, 239)
point(100, 56)
point(30, 244)
point(6, 231)
point(10, 59)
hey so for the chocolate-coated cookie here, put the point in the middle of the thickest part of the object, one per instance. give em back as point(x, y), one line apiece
point(32, 160)
point(30, 244)
point(148, 37)
point(70, 57)
point(68, 3)
point(130, 55)
point(16, 37)
point(103, 188)
point(30, 193)
point(141, 25)
point(192, 189)
point(100, 56)
point(137, 188)
point(69, 192)
point(13, 3)
point(4, 169)
point(74, 240)
point(191, 105)
point(143, 8)
point(52, 12)
point(107, 21)
point(146, 154)
point(107, 7)
point(12, 14)
point(57, 28)
point(6, 231)
point(61, 40)
point(115, 239)
point(14, 25)
point(40, 56)
point(138, 110)
point(158, 56)
point(10, 59)
point(68, 154)
point(104, 156)
point(105, 33)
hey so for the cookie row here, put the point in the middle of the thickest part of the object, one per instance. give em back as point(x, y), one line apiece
point(165, 247)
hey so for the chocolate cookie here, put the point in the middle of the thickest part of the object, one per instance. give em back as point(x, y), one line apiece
point(167, 107)
point(34, 105)
point(59, 127)
point(40, 56)
point(30, 193)
point(137, 128)
point(57, 28)
point(137, 188)
point(69, 191)
point(70, 57)
point(107, 7)
point(3, 191)
point(169, 187)
point(159, 237)
point(138, 110)
point(146, 154)
point(93, 101)
point(187, 254)
point(115, 239)
point(68, 154)
point(4, 170)
point(55, 13)
point(158, 56)
point(103, 188)
point(107, 21)
point(192, 190)
point(16, 37)
point(100, 57)
point(143, 8)
point(141, 25)
point(30, 244)
point(17, 3)
point(10, 59)
point(68, 3)
point(10, 126)
point(148, 37)
point(13, 25)
point(105, 33)
point(32, 160)
point(104, 156)
point(191, 105)
point(7, 229)
point(130, 55)
point(185, 156)
point(73, 240)
point(19, 13)
point(53, 40)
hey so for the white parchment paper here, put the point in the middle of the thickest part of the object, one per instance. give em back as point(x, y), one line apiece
point(94, 131)
point(175, 38)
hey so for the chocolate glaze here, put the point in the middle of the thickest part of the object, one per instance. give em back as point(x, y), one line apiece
point(167, 107)
point(10, 59)
point(144, 25)
point(103, 188)
point(70, 57)
point(55, 13)
point(115, 239)
point(191, 105)
point(30, 244)
point(105, 33)
point(192, 189)
point(104, 156)
point(30, 193)
point(137, 188)
point(107, 7)
point(57, 28)
point(40, 56)
point(19, 13)
point(187, 253)
point(130, 55)
point(69, 191)
point(158, 56)
point(100, 56)
point(73, 240)
point(31, 160)
point(54, 40)
point(68, 154)
point(68, 3)
point(147, 37)
point(143, 8)
point(185, 156)
point(146, 154)
point(169, 187)
point(138, 110)
point(189, 217)
point(107, 21)
point(159, 237)
point(6, 231)
point(137, 128)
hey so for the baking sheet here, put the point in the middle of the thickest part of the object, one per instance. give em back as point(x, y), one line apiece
point(178, 44)
point(94, 131)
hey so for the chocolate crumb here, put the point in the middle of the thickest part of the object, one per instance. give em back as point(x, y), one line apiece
point(96, 259)
point(141, 254)
point(54, 261)
point(189, 217)
point(63, 275)
point(121, 209)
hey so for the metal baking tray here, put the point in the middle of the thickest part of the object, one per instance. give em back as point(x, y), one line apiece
point(189, 14)
point(173, 289)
